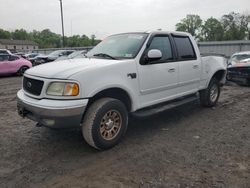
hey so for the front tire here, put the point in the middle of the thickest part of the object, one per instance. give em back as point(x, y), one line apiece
point(105, 123)
point(209, 97)
point(21, 71)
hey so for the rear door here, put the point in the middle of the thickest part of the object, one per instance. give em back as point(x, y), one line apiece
point(158, 80)
point(189, 65)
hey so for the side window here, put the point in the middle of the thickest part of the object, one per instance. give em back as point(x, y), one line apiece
point(68, 52)
point(13, 58)
point(65, 53)
point(163, 44)
point(4, 57)
point(61, 54)
point(3, 52)
point(185, 48)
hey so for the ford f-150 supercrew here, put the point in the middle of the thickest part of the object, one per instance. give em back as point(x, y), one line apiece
point(131, 73)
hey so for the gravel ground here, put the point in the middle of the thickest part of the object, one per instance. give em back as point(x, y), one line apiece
point(188, 146)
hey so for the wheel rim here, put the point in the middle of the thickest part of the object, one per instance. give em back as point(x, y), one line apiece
point(214, 91)
point(110, 125)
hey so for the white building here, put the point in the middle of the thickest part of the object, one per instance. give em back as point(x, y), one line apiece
point(16, 45)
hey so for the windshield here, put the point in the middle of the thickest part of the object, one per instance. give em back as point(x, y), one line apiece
point(122, 46)
point(239, 58)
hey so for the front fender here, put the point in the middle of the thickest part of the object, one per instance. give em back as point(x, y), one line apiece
point(107, 77)
point(130, 93)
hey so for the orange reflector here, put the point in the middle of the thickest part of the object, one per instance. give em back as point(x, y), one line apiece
point(75, 90)
point(71, 89)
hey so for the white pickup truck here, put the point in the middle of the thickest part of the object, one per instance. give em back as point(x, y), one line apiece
point(131, 73)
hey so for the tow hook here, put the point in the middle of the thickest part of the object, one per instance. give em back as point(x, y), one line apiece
point(22, 112)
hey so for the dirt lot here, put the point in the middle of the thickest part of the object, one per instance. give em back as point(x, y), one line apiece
point(189, 146)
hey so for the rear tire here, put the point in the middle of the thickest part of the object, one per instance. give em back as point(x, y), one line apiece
point(210, 95)
point(21, 71)
point(105, 123)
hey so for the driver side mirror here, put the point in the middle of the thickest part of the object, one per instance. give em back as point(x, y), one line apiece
point(152, 55)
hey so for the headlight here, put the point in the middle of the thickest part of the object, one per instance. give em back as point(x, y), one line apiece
point(63, 89)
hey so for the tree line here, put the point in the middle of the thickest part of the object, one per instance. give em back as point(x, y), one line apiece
point(232, 26)
point(48, 39)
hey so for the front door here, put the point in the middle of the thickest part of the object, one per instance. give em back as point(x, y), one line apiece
point(4, 64)
point(158, 80)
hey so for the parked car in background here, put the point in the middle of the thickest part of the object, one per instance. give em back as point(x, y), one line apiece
point(32, 57)
point(52, 56)
point(239, 68)
point(21, 54)
point(4, 51)
point(74, 55)
point(13, 64)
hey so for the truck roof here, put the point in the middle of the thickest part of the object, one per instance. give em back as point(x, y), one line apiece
point(158, 32)
point(168, 32)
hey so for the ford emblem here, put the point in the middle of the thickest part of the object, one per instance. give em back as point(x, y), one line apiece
point(29, 84)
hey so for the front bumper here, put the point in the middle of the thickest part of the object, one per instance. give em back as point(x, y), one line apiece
point(52, 113)
point(239, 75)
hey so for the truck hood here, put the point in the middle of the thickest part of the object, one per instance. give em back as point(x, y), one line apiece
point(66, 68)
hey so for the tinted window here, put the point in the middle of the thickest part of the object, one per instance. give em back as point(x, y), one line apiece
point(184, 48)
point(13, 58)
point(68, 52)
point(3, 52)
point(162, 43)
point(4, 57)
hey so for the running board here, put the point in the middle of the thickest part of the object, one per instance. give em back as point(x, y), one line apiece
point(149, 111)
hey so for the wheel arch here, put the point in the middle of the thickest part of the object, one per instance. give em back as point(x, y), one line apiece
point(220, 75)
point(20, 67)
point(113, 92)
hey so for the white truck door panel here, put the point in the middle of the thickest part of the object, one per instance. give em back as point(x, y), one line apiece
point(158, 80)
point(189, 65)
point(189, 76)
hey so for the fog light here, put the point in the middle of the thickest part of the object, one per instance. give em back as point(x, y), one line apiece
point(49, 122)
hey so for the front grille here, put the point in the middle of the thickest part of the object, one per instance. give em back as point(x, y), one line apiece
point(32, 86)
point(239, 71)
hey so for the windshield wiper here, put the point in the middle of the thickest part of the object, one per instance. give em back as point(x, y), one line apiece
point(104, 55)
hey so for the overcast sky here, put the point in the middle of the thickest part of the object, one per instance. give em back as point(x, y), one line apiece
point(105, 17)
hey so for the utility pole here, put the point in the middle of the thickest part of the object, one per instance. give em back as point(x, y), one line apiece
point(62, 23)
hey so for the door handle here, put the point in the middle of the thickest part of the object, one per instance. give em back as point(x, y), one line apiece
point(195, 66)
point(171, 70)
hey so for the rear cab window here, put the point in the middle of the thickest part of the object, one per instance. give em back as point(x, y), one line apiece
point(184, 47)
